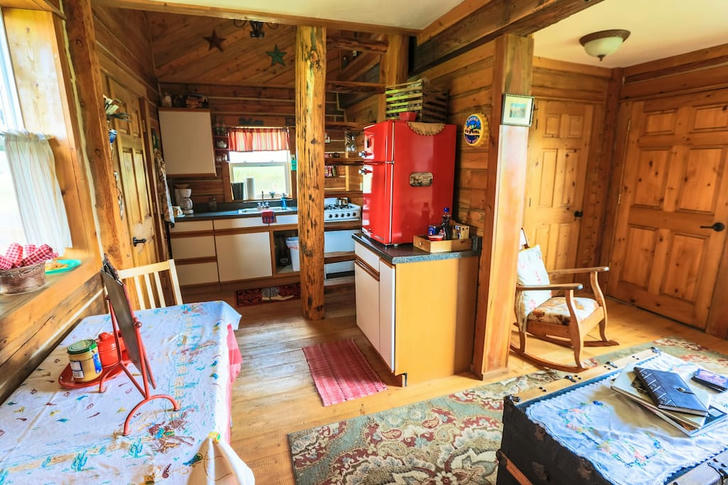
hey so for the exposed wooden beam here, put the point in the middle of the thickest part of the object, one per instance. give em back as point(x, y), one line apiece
point(352, 44)
point(354, 87)
point(456, 14)
point(493, 19)
point(45, 5)
point(115, 238)
point(310, 134)
point(506, 190)
point(393, 67)
point(243, 14)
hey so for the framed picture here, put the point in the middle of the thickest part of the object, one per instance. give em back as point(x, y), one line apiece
point(517, 110)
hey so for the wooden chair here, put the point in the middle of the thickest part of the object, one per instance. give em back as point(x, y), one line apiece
point(563, 320)
point(136, 273)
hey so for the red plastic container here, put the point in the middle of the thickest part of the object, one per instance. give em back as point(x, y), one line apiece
point(107, 349)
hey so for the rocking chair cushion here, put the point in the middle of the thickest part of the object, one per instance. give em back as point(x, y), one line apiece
point(531, 271)
point(554, 310)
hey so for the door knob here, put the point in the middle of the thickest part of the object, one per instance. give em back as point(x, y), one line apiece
point(578, 213)
point(136, 241)
point(717, 227)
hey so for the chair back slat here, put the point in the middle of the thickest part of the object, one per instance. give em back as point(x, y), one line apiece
point(155, 269)
point(160, 292)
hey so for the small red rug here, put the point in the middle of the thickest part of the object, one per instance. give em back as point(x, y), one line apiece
point(341, 372)
point(256, 296)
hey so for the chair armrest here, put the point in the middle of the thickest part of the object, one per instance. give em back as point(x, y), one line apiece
point(595, 269)
point(553, 286)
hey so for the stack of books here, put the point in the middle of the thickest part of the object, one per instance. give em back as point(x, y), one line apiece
point(685, 405)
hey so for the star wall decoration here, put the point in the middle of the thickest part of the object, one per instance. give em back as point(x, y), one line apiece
point(214, 41)
point(276, 56)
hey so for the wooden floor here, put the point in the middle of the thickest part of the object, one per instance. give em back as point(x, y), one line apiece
point(275, 395)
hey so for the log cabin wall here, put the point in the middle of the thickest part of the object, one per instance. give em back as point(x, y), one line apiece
point(702, 76)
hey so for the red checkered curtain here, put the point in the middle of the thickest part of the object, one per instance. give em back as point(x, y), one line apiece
point(258, 139)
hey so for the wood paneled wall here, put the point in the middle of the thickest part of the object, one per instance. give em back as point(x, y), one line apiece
point(701, 71)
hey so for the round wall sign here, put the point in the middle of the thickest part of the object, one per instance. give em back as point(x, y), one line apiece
point(475, 129)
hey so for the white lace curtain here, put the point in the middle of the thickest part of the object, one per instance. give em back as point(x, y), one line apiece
point(39, 196)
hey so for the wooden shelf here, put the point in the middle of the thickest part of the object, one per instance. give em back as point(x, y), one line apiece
point(342, 193)
point(346, 124)
point(339, 256)
point(341, 281)
point(354, 87)
point(344, 161)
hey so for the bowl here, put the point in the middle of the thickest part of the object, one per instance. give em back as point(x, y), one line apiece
point(22, 280)
point(435, 237)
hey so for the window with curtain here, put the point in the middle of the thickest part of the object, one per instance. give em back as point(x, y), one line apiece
point(263, 155)
point(31, 204)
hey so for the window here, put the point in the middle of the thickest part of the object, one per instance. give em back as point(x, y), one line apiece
point(270, 170)
point(10, 119)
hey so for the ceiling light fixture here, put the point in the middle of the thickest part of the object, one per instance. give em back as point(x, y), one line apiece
point(605, 42)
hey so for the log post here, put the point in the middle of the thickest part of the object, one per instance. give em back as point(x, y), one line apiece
point(393, 67)
point(115, 238)
point(506, 192)
point(310, 134)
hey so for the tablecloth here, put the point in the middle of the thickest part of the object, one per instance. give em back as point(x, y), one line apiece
point(51, 435)
point(626, 443)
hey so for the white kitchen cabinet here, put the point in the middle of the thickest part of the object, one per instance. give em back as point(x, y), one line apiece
point(187, 141)
point(243, 256)
point(386, 313)
point(190, 247)
point(197, 273)
point(367, 301)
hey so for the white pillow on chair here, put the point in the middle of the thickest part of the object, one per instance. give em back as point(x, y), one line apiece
point(531, 271)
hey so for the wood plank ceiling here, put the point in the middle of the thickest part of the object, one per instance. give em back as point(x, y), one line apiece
point(182, 55)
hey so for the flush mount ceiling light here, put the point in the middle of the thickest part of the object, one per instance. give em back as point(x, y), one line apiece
point(603, 43)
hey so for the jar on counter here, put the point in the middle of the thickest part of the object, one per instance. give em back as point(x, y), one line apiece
point(85, 360)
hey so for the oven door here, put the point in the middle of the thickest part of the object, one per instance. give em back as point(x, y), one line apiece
point(376, 210)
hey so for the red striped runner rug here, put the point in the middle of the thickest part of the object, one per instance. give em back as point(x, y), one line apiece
point(341, 372)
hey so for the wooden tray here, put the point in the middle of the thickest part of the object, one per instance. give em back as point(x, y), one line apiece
point(421, 242)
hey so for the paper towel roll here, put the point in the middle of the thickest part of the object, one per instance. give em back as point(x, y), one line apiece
point(250, 188)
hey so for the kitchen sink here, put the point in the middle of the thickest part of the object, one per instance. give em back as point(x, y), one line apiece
point(256, 210)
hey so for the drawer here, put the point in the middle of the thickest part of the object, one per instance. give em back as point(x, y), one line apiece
point(193, 247)
point(239, 222)
point(197, 273)
point(190, 226)
point(368, 256)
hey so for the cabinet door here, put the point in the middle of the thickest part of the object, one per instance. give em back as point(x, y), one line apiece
point(386, 314)
point(244, 256)
point(187, 142)
point(367, 301)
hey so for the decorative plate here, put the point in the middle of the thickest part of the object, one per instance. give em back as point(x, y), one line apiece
point(69, 264)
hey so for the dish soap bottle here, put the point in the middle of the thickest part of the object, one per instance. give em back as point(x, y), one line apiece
point(446, 227)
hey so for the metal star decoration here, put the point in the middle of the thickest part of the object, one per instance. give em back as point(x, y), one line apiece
point(214, 41)
point(276, 56)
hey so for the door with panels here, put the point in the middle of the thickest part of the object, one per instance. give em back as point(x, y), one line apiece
point(558, 149)
point(673, 206)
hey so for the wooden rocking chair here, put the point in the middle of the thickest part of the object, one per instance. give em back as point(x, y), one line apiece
point(563, 320)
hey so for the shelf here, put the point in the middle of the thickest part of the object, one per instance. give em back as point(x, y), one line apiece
point(341, 281)
point(344, 161)
point(286, 270)
point(339, 256)
point(342, 193)
point(345, 124)
point(354, 87)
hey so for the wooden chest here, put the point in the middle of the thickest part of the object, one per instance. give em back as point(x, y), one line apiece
point(529, 455)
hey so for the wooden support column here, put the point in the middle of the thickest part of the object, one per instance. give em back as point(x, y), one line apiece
point(310, 134)
point(115, 238)
point(393, 67)
point(506, 190)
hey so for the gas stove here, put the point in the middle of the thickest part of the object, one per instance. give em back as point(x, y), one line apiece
point(345, 212)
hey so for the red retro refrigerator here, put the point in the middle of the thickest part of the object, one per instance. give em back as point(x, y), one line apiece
point(408, 178)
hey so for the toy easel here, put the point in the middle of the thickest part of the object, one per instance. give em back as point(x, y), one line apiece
point(125, 322)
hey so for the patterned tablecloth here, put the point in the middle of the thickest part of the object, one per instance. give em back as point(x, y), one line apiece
point(52, 435)
point(627, 444)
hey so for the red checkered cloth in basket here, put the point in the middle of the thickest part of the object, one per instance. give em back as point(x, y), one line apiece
point(42, 253)
point(14, 254)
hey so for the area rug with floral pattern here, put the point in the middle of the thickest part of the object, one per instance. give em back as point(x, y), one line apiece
point(447, 440)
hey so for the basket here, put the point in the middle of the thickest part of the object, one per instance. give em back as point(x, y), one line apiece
point(429, 104)
point(22, 280)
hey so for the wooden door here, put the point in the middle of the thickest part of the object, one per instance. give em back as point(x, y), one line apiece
point(558, 148)
point(134, 180)
point(675, 187)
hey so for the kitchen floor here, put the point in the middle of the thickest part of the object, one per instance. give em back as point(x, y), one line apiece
point(275, 395)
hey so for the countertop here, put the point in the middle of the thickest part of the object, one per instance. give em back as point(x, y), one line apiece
point(407, 253)
point(201, 216)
